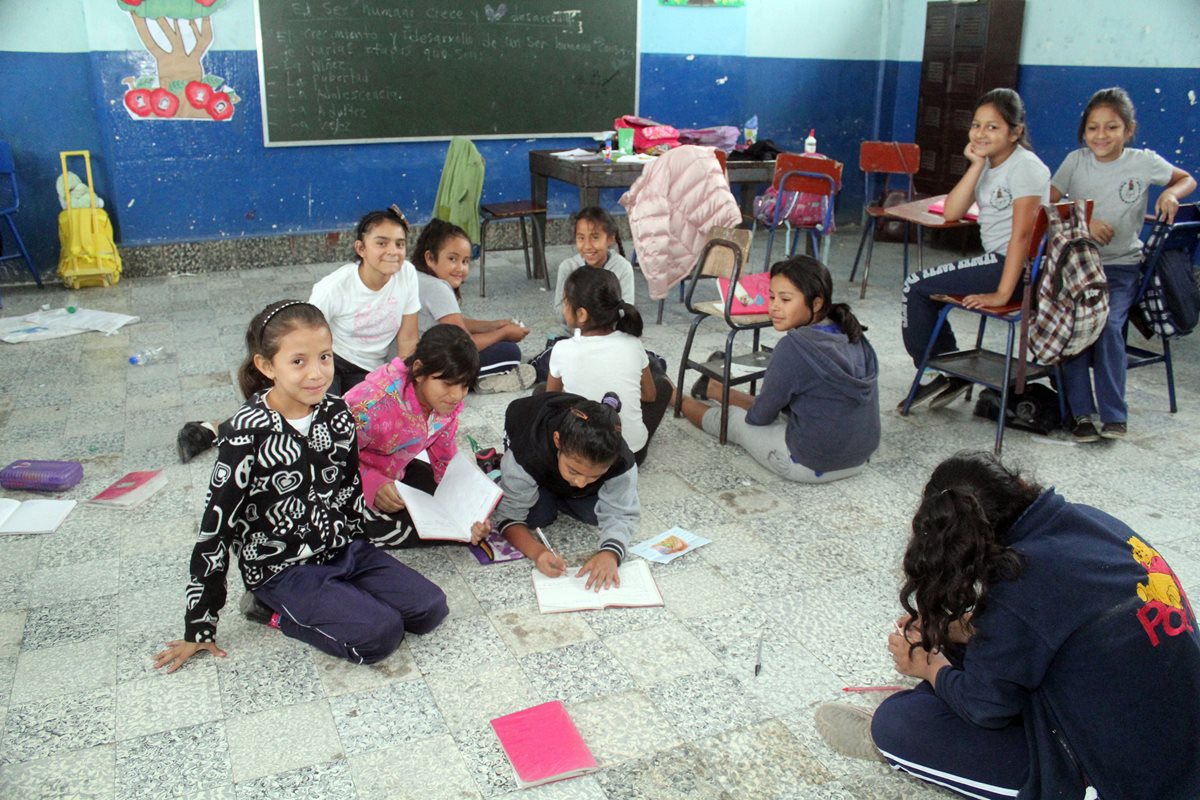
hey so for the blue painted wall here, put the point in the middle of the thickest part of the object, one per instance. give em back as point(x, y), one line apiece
point(848, 68)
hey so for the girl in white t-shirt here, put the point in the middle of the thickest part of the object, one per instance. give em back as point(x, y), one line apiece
point(371, 302)
point(1116, 178)
point(1009, 183)
point(606, 355)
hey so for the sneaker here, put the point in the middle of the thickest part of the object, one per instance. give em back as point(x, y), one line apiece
point(488, 461)
point(956, 387)
point(847, 730)
point(253, 609)
point(1113, 430)
point(515, 380)
point(1084, 430)
point(699, 389)
point(193, 439)
point(925, 391)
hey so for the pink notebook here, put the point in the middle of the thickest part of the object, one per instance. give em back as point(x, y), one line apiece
point(756, 289)
point(131, 490)
point(543, 745)
point(939, 207)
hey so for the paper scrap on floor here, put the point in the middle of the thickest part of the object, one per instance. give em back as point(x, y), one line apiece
point(58, 322)
point(668, 545)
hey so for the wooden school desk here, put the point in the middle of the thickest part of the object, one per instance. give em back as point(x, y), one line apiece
point(592, 176)
point(917, 212)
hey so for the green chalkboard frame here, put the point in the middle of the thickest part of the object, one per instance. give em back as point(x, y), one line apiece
point(335, 72)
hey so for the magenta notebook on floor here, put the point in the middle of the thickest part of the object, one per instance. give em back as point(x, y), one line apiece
point(543, 744)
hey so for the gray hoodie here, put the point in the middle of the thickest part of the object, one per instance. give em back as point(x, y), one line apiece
point(828, 388)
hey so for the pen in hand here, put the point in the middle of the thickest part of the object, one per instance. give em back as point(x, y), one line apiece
point(553, 552)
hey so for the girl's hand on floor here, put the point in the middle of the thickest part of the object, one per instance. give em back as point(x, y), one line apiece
point(550, 563)
point(480, 531)
point(601, 570)
point(387, 499)
point(178, 652)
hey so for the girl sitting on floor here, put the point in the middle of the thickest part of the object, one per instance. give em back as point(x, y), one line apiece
point(817, 417)
point(285, 498)
point(606, 355)
point(402, 409)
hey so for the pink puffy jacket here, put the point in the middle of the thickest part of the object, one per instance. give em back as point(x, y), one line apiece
point(677, 199)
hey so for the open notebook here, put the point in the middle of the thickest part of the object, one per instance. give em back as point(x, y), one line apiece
point(568, 593)
point(543, 744)
point(33, 516)
point(464, 496)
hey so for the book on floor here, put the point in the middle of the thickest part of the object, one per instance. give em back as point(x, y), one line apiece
point(668, 545)
point(543, 745)
point(464, 496)
point(33, 516)
point(751, 295)
point(131, 490)
point(568, 593)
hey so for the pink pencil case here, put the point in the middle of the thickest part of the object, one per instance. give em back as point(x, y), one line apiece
point(41, 476)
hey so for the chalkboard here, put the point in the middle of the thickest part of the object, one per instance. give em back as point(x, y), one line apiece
point(349, 71)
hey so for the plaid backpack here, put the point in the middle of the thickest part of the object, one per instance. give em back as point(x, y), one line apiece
point(1072, 294)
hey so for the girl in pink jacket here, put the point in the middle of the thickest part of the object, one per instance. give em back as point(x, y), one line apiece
point(406, 407)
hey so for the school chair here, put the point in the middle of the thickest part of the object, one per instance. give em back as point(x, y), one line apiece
point(724, 254)
point(803, 172)
point(10, 201)
point(990, 368)
point(520, 210)
point(879, 161)
point(1183, 235)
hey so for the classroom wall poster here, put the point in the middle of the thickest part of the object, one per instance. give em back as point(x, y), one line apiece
point(175, 85)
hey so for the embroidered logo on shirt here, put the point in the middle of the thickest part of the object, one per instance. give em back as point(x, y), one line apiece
point(1130, 190)
point(1166, 608)
point(1001, 198)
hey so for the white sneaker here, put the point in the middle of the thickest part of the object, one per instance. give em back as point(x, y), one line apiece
point(847, 730)
point(515, 380)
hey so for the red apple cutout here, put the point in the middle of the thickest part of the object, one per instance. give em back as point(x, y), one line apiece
point(205, 3)
point(133, 2)
point(220, 107)
point(138, 101)
point(198, 93)
point(163, 103)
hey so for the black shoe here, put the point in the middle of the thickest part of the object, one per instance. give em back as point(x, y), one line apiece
point(488, 460)
point(926, 391)
point(700, 388)
point(955, 388)
point(1084, 430)
point(1113, 430)
point(193, 439)
point(253, 609)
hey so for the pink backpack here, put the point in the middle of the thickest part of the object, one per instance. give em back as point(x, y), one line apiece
point(648, 134)
point(801, 209)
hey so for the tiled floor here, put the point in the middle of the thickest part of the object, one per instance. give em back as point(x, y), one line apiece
point(665, 697)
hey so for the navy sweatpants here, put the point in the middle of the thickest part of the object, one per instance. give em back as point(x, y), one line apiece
point(358, 606)
point(498, 358)
point(918, 311)
point(1106, 356)
point(917, 732)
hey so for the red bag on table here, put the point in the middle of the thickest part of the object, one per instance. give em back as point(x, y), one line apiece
point(648, 134)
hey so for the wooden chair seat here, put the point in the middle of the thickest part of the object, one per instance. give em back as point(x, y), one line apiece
point(957, 299)
point(514, 208)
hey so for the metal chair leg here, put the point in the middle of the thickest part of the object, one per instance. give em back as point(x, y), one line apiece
point(868, 229)
point(524, 248)
point(483, 226)
point(862, 291)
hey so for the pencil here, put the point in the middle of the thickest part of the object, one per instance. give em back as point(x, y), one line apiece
point(758, 657)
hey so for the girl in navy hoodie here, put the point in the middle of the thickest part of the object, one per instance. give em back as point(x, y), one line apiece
point(1058, 652)
point(817, 417)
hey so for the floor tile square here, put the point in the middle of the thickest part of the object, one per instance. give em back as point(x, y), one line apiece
point(194, 757)
point(527, 630)
point(164, 702)
point(622, 726)
point(327, 781)
point(64, 669)
point(661, 653)
point(281, 739)
point(66, 623)
point(473, 699)
point(58, 724)
point(251, 683)
point(87, 774)
point(386, 716)
point(576, 673)
point(339, 676)
point(704, 704)
point(428, 769)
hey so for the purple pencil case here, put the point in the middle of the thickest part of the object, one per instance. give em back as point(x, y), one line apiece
point(41, 476)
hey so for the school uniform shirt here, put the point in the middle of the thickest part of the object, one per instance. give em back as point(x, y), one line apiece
point(828, 388)
point(276, 499)
point(1118, 190)
point(393, 429)
point(592, 365)
point(530, 464)
point(1021, 175)
point(617, 264)
point(1094, 647)
point(365, 323)
point(437, 301)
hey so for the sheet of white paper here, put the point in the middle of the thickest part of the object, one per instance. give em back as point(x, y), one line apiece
point(463, 497)
point(58, 322)
point(575, 152)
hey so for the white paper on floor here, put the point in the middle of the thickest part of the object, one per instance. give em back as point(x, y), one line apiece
point(59, 322)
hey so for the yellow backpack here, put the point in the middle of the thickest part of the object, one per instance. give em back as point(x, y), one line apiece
point(88, 255)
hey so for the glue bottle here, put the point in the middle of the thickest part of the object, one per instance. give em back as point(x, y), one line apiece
point(810, 144)
point(143, 357)
point(607, 149)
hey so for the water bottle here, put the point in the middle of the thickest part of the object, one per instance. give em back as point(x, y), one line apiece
point(147, 356)
point(810, 144)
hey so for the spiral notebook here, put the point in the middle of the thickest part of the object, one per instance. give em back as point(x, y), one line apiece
point(543, 745)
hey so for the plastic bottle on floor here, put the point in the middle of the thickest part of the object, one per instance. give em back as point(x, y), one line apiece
point(147, 356)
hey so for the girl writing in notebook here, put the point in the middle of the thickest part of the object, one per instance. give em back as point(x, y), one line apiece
point(1009, 183)
point(606, 355)
point(565, 453)
point(407, 407)
point(817, 417)
point(1116, 178)
point(443, 258)
point(285, 497)
point(370, 303)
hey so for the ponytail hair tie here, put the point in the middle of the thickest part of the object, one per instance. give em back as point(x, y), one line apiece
point(620, 313)
point(612, 400)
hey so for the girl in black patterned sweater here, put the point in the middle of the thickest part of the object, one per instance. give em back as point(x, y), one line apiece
point(285, 498)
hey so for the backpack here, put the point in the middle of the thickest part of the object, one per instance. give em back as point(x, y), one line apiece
point(1072, 294)
point(648, 134)
point(1034, 410)
point(801, 209)
point(1171, 304)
